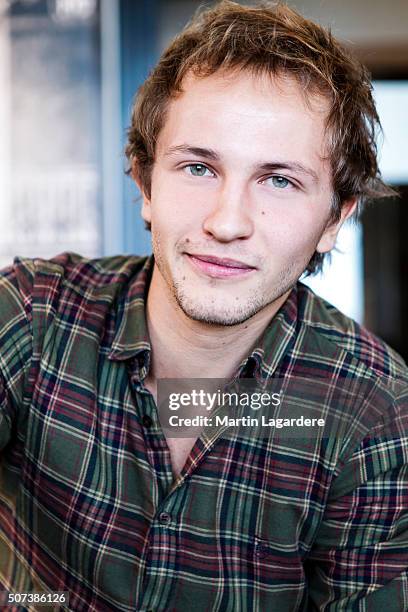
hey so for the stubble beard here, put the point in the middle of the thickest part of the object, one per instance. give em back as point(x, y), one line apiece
point(260, 298)
point(213, 314)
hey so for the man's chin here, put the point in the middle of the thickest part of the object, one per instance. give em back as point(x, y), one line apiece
point(211, 315)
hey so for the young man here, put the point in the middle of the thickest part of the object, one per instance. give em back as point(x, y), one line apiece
point(252, 142)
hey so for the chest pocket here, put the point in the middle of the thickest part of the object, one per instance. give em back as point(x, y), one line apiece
point(275, 564)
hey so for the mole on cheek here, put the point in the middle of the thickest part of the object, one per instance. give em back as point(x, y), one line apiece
point(263, 212)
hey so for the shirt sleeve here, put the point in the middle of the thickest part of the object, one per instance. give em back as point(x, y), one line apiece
point(15, 342)
point(359, 560)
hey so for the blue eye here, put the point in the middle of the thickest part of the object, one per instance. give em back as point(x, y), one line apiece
point(197, 170)
point(280, 181)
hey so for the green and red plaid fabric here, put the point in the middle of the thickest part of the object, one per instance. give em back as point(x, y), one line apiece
point(88, 503)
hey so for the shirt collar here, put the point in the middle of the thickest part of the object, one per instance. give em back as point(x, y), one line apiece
point(131, 337)
point(274, 342)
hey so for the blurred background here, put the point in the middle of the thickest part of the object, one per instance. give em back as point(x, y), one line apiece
point(68, 73)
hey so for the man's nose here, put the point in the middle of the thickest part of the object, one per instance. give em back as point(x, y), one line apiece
point(230, 219)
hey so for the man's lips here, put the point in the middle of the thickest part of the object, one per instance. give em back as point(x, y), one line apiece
point(219, 267)
point(222, 261)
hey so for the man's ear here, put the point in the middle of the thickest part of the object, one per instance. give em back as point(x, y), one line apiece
point(146, 209)
point(328, 238)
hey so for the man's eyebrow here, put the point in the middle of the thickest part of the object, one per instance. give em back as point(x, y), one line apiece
point(197, 151)
point(292, 166)
point(203, 152)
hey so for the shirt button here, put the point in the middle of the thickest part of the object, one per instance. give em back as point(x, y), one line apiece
point(261, 550)
point(147, 421)
point(164, 518)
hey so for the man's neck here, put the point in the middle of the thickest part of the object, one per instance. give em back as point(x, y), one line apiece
point(185, 348)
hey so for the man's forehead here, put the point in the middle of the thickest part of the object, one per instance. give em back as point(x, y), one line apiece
point(257, 102)
point(285, 83)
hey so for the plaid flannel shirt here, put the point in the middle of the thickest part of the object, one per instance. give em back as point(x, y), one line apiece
point(88, 503)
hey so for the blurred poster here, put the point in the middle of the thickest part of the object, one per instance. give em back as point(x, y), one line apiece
point(50, 119)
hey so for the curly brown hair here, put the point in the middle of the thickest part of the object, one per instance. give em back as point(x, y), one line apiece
point(272, 39)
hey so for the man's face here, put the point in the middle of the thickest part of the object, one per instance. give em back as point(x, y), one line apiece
point(239, 176)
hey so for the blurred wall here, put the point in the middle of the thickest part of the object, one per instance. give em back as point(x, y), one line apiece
point(376, 29)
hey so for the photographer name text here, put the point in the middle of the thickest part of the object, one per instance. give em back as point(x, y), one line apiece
point(246, 421)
